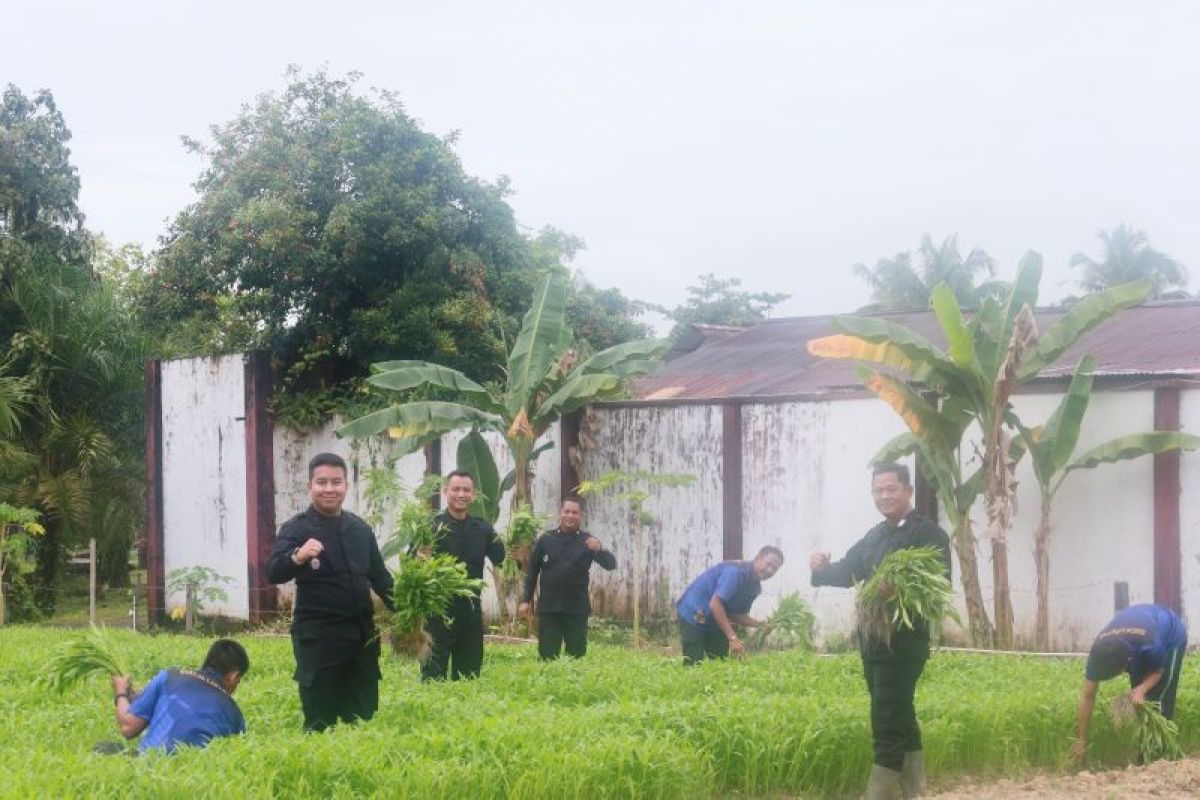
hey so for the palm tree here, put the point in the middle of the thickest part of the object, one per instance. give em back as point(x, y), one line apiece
point(1127, 257)
point(898, 285)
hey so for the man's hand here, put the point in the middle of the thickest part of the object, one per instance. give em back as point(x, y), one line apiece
point(1138, 696)
point(818, 561)
point(524, 609)
point(122, 684)
point(425, 551)
point(736, 648)
point(593, 544)
point(1078, 751)
point(307, 551)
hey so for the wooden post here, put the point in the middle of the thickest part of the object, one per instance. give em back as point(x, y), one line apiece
point(153, 543)
point(189, 603)
point(133, 592)
point(731, 481)
point(1120, 595)
point(92, 580)
point(1168, 583)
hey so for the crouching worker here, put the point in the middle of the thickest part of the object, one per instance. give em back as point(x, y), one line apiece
point(183, 706)
point(721, 596)
point(1146, 641)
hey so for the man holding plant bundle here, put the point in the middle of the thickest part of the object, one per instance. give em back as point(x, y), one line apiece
point(183, 706)
point(721, 596)
point(562, 559)
point(334, 558)
point(458, 645)
point(1146, 641)
point(892, 667)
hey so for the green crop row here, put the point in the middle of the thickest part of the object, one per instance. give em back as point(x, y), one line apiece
point(617, 724)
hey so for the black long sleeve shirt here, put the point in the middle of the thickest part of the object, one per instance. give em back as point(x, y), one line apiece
point(863, 558)
point(469, 540)
point(563, 561)
point(333, 590)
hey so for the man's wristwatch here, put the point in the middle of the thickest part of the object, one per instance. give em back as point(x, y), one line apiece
point(119, 695)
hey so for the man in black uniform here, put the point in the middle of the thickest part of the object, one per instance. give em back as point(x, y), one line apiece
point(334, 558)
point(562, 558)
point(459, 645)
point(891, 671)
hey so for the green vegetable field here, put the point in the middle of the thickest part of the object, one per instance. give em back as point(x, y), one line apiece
point(618, 724)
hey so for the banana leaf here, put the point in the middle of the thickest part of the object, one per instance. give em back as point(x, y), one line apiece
point(539, 342)
point(1083, 316)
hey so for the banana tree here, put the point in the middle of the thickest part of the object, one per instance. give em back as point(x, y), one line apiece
point(543, 383)
point(984, 361)
point(1051, 447)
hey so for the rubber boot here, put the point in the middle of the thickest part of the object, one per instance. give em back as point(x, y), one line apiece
point(913, 777)
point(884, 784)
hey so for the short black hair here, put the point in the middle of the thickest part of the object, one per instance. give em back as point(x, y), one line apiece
point(226, 656)
point(892, 468)
point(769, 550)
point(1108, 658)
point(572, 498)
point(459, 473)
point(327, 460)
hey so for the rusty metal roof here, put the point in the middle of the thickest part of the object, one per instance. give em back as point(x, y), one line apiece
point(1155, 340)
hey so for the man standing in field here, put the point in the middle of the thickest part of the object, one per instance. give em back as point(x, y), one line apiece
point(891, 671)
point(183, 707)
point(334, 558)
point(562, 558)
point(458, 646)
point(720, 597)
point(1146, 641)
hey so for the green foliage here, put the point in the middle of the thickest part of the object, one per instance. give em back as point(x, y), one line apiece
point(899, 285)
point(201, 584)
point(721, 301)
point(1126, 257)
point(424, 588)
point(91, 654)
point(619, 724)
point(790, 625)
point(910, 586)
point(414, 520)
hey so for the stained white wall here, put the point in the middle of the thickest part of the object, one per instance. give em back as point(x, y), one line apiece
point(204, 474)
point(685, 537)
point(1189, 509)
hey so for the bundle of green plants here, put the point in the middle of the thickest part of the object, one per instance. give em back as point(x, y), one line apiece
point(424, 588)
point(910, 586)
point(1154, 736)
point(789, 626)
point(523, 528)
point(415, 526)
point(81, 658)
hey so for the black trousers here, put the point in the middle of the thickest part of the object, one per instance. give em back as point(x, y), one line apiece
point(457, 647)
point(892, 675)
point(338, 680)
point(1164, 691)
point(701, 643)
point(556, 629)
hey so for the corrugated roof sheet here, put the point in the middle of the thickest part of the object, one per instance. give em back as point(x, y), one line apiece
point(771, 360)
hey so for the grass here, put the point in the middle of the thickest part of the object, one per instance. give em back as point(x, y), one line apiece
point(617, 724)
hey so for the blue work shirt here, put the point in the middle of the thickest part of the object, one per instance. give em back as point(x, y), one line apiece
point(732, 581)
point(1151, 631)
point(183, 708)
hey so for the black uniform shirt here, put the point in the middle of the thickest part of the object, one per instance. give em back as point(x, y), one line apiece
point(563, 560)
point(333, 598)
point(864, 556)
point(469, 540)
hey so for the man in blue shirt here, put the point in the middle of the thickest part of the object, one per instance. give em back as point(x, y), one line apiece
point(1148, 642)
point(185, 707)
point(721, 596)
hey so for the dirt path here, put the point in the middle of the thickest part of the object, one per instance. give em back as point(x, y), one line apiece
point(1160, 779)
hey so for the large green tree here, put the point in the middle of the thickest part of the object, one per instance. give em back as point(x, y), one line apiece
point(73, 449)
point(905, 283)
point(721, 301)
point(1126, 255)
point(331, 229)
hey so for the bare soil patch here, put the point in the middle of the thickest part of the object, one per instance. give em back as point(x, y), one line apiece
point(1158, 780)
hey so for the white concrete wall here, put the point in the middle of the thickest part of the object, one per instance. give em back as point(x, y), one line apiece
point(806, 488)
point(204, 474)
point(686, 535)
point(1189, 510)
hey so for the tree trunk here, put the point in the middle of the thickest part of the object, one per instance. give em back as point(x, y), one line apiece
point(1041, 557)
point(638, 568)
point(1001, 599)
point(982, 634)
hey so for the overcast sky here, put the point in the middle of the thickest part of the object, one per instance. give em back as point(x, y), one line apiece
point(774, 142)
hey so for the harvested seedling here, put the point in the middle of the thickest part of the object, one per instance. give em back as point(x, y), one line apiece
point(424, 588)
point(81, 658)
point(789, 626)
point(910, 587)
